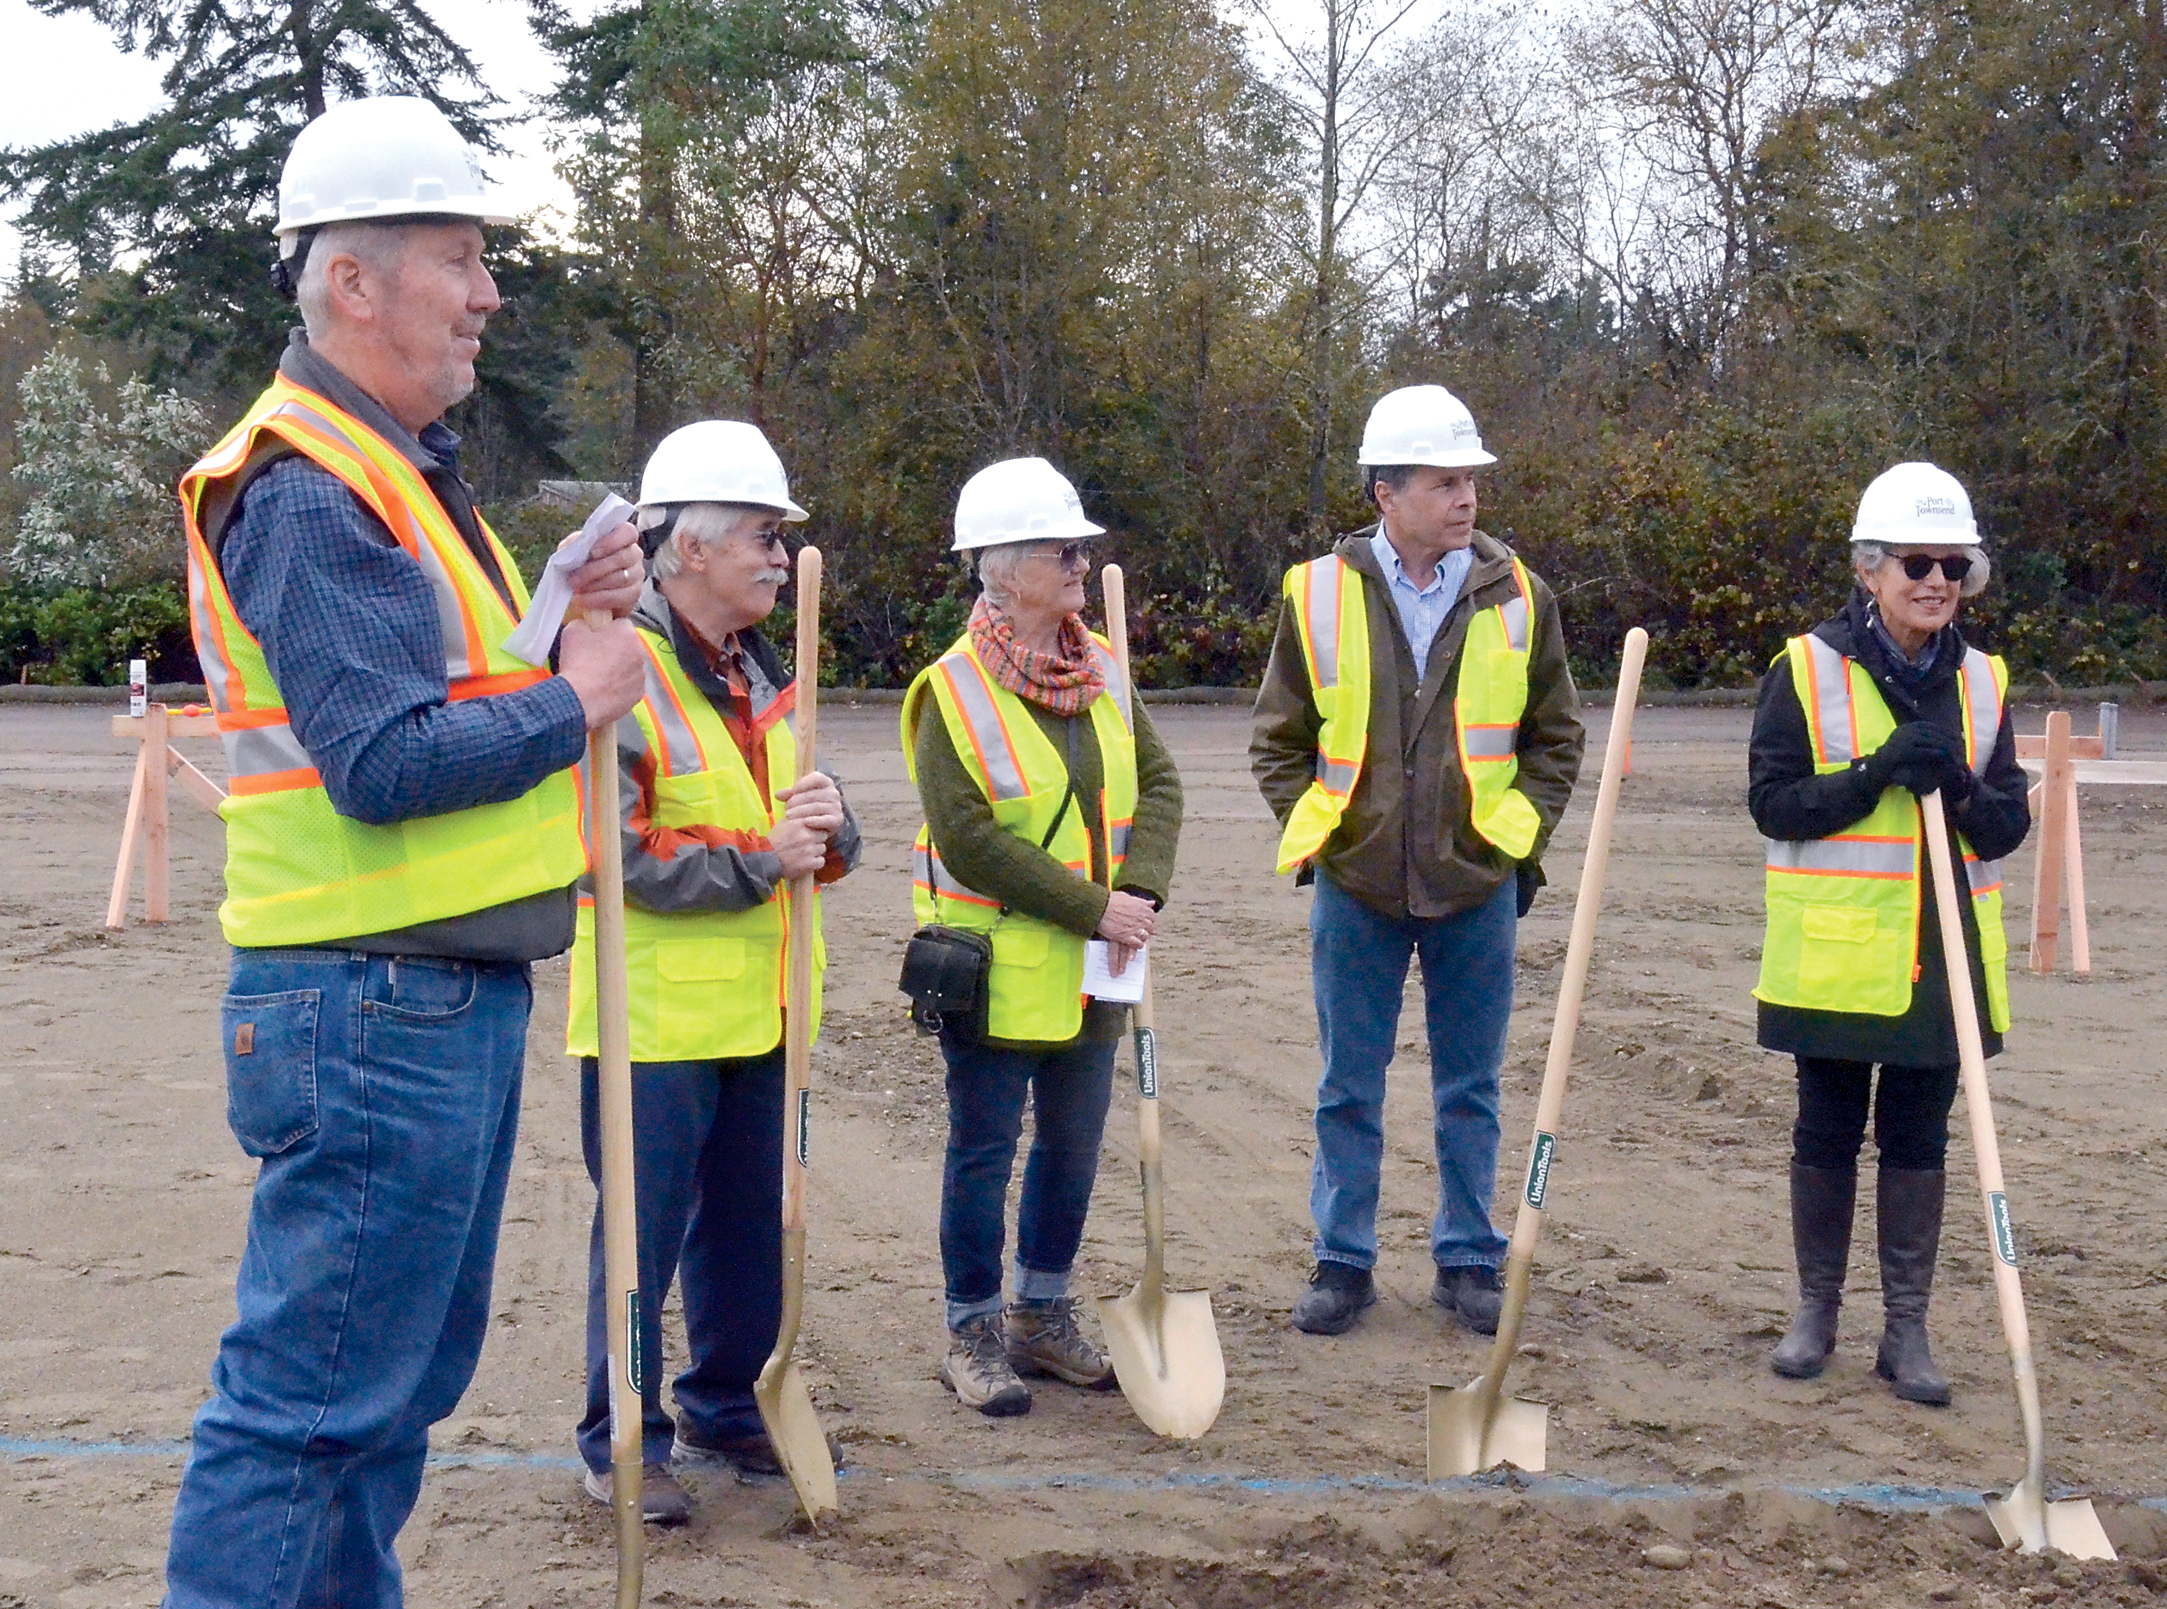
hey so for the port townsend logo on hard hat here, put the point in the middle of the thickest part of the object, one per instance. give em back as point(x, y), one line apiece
point(1935, 507)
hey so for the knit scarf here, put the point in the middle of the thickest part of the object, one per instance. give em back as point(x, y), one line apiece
point(1066, 682)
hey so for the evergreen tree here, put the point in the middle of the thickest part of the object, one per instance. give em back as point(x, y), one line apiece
point(166, 221)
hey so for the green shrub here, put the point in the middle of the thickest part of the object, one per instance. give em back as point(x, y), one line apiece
point(84, 637)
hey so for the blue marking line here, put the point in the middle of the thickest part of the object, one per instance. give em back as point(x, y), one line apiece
point(1882, 1498)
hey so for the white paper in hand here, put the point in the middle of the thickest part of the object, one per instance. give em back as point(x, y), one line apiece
point(537, 630)
point(1101, 984)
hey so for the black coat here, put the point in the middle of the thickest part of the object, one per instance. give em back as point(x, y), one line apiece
point(1789, 801)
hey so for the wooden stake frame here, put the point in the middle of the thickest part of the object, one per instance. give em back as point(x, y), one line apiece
point(145, 830)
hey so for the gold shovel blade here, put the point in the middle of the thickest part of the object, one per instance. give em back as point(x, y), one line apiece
point(2028, 1523)
point(786, 1408)
point(1517, 1435)
point(1166, 1359)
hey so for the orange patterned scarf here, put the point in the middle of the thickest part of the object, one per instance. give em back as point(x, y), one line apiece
point(1067, 682)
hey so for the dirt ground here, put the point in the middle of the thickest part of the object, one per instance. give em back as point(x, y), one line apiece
point(1661, 1286)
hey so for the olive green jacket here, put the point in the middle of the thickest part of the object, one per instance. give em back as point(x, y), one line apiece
point(1406, 846)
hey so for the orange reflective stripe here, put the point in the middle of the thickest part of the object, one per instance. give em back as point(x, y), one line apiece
point(510, 681)
point(274, 782)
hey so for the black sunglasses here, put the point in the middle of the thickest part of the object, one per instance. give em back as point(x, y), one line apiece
point(1918, 566)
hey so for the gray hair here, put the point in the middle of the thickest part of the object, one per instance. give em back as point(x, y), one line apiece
point(712, 523)
point(997, 571)
point(380, 245)
point(1867, 557)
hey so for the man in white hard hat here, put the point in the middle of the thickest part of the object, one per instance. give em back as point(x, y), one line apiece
point(402, 840)
point(1052, 815)
point(712, 830)
point(1416, 738)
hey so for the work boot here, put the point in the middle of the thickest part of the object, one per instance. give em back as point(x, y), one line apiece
point(662, 1500)
point(1336, 1296)
point(1043, 1338)
point(1474, 1295)
point(750, 1458)
point(1910, 1206)
point(1821, 1204)
point(977, 1369)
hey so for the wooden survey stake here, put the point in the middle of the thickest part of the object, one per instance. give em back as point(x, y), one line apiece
point(146, 827)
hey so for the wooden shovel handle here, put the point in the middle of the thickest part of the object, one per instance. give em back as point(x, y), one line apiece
point(620, 1224)
point(1986, 1147)
point(804, 917)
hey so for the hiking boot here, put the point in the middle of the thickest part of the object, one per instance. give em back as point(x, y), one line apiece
point(977, 1370)
point(662, 1500)
point(1474, 1295)
point(1910, 1213)
point(749, 1457)
point(1821, 1204)
point(1336, 1296)
point(1042, 1338)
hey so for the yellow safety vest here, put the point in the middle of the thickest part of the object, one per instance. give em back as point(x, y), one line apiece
point(298, 872)
point(1843, 911)
point(1487, 704)
point(704, 985)
point(1037, 981)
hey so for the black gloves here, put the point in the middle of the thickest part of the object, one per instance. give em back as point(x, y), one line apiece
point(1921, 757)
point(1529, 876)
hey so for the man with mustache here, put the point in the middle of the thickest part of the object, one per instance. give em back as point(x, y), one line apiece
point(713, 829)
point(402, 840)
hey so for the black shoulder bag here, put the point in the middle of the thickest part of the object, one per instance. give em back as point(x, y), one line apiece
point(945, 969)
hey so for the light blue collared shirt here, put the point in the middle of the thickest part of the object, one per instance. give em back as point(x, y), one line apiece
point(1422, 609)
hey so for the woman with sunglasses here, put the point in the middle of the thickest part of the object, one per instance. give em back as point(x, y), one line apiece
point(1051, 820)
point(1858, 719)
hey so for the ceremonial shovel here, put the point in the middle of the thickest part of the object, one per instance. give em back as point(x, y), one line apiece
point(1475, 1426)
point(620, 1223)
point(785, 1406)
point(2025, 1519)
point(1164, 1344)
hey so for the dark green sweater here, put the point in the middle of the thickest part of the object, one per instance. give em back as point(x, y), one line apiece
point(997, 863)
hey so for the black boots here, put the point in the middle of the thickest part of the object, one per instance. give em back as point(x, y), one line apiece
point(1821, 1203)
point(1910, 1210)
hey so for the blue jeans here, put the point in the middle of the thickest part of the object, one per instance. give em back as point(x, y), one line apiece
point(708, 1153)
point(382, 1095)
point(1358, 961)
point(1069, 1087)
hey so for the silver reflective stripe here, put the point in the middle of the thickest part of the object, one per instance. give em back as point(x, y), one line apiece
point(1844, 857)
point(1004, 774)
point(216, 672)
point(262, 751)
point(1110, 673)
point(1119, 846)
point(926, 869)
point(1984, 704)
point(1985, 876)
point(1337, 776)
point(1832, 688)
point(1490, 742)
point(680, 749)
point(1321, 582)
point(1514, 611)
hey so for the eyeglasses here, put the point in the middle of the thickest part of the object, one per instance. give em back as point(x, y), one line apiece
point(1918, 566)
point(1069, 555)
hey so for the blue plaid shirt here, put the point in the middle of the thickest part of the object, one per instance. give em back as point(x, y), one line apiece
point(348, 624)
point(1422, 610)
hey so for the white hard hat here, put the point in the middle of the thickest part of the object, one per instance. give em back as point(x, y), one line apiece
point(1422, 424)
point(384, 156)
point(1019, 500)
point(1915, 503)
point(717, 461)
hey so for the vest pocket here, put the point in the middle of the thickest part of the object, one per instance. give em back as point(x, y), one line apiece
point(1019, 945)
point(1507, 679)
point(1834, 955)
point(270, 1068)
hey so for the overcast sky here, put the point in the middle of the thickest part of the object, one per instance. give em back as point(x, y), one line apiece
point(53, 61)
